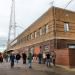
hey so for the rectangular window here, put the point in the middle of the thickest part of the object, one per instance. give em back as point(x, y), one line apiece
point(35, 34)
point(31, 36)
point(25, 38)
point(47, 28)
point(43, 29)
point(40, 31)
point(66, 26)
point(71, 46)
point(28, 37)
point(46, 48)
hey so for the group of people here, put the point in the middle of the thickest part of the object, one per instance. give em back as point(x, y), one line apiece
point(45, 58)
point(12, 58)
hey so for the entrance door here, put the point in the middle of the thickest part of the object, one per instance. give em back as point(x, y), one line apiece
point(72, 57)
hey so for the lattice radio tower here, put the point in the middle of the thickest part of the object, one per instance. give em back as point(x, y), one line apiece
point(12, 25)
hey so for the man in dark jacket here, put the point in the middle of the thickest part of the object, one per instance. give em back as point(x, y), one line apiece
point(48, 59)
point(40, 58)
point(18, 56)
point(24, 56)
point(12, 57)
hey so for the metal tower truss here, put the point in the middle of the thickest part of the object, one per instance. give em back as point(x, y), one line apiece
point(12, 25)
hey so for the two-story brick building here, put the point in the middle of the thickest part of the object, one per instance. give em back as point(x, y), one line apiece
point(54, 30)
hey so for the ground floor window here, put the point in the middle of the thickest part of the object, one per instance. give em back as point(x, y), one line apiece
point(71, 46)
point(46, 48)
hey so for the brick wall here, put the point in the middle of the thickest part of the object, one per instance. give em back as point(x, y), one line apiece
point(62, 57)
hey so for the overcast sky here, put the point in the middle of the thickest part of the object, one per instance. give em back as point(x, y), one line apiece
point(26, 11)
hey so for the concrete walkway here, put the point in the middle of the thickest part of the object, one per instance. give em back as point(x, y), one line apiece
point(37, 69)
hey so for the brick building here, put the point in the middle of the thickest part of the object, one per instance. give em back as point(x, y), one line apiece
point(54, 30)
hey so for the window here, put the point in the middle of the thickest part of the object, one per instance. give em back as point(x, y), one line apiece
point(40, 31)
point(32, 35)
point(43, 29)
point(46, 48)
point(28, 37)
point(47, 28)
point(71, 46)
point(35, 34)
point(66, 26)
point(25, 38)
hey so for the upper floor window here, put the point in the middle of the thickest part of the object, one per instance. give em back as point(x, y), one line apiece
point(25, 38)
point(43, 29)
point(35, 34)
point(66, 26)
point(47, 28)
point(32, 35)
point(29, 37)
point(40, 31)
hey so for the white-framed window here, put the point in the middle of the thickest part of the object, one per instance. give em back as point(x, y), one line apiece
point(47, 28)
point(71, 46)
point(40, 31)
point(43, 29)
point(35, 34)
point(31, 36)
point(66, 26)
point(46, 48)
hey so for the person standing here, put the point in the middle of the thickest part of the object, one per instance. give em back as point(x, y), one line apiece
point(30, 60)
point(12, 57)
point(53, 57)
point(18, 56)
point(44, 57)
point(48, 59)
point(1, 58)
point(24, 56)
point(40, 58)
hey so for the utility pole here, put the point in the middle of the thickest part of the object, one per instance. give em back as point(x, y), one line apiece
point(12, 25)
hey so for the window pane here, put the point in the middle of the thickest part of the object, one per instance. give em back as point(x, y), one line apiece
point(66, 26)
point(35, 34)
point(47, 28)
point(40, 31)
point(44, 29)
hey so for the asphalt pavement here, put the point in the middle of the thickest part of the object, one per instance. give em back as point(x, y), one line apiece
point(37, 69)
